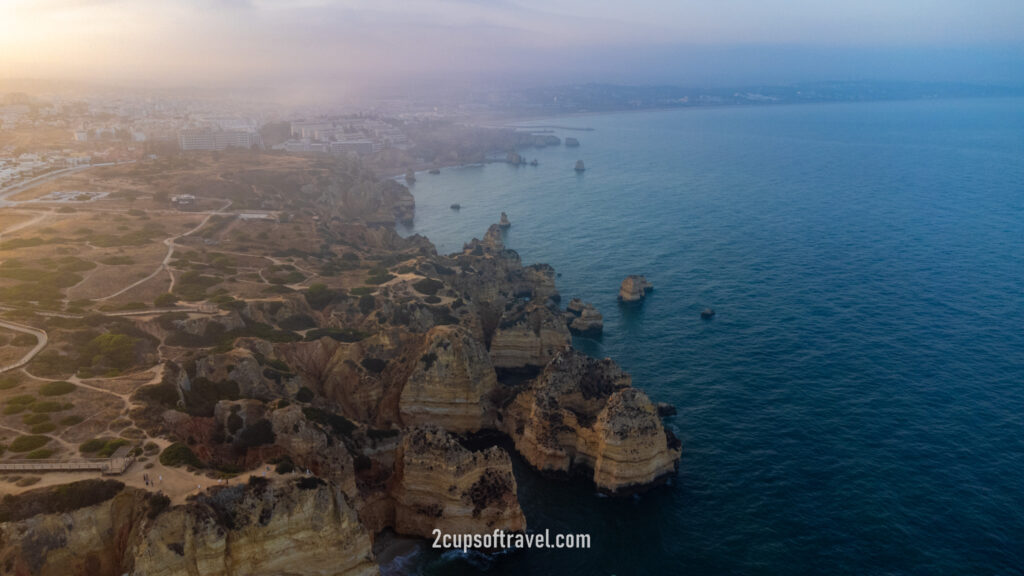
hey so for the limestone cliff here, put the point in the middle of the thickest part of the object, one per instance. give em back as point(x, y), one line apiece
point(583, 414)
point(440, 484)
point(265, 528)
point(528, 336)
point(451, 382)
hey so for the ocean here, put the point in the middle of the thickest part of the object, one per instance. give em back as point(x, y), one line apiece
point(856, 405)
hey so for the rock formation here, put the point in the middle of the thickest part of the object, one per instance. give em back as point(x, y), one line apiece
point(450, 384)
point(634, 288)
point(579, 166)
point(571, 142)
point(265, 528)
point(440, 484)
point(707, 313)
point(581, 414)
point(528, 336)
point(583, 319)
point(503, 222)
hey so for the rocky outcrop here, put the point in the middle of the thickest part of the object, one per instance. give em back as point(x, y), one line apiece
point(571, 142)
point(634, 288)
point(581, 414)
point(579, 166)
point(450, 383)
point(265, 528)
point(504, 222)
point(95, 540)
point(528, 336)
point(583, 319)
point(440, 484)
point(311, 446)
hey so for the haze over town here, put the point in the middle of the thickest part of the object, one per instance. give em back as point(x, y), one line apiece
point(300, 49)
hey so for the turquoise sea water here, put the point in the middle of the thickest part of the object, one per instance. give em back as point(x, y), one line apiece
point(856, 406)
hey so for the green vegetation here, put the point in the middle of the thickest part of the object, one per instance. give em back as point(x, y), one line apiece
point(297, 322)
point(7, 382)
point(33, 419)
point(428, 286)
point(58, 388)
point(40, 454)
point(157, 504)
point(363, 290)
point(165, 300)
point(43, 428)
point(50, 406)
point(118, 260)
point(28, 443)
point(319, 295)
point(57, 499)
point(71, 420)
point(179, 454)
point(378, 276)
point(339, 424)
point(102, 447)
point(339, 334)
point(304, 395)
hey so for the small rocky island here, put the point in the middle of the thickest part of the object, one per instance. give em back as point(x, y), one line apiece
point(410, 176)
point(456, 206)
point(707, 313)
point(571, 142)
point(634, 289)
point(503, 222)
point(579, 166)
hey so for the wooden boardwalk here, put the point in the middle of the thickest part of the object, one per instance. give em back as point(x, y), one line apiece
point(113, 466)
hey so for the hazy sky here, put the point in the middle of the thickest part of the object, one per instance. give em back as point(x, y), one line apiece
point(365, 42)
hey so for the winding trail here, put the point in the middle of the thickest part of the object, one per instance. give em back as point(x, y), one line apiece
point(169, 242)
point(41, 340)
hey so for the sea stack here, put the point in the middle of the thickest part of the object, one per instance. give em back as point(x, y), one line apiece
point(456, 206)
point(579, 166)
point(583, 319)
point(634, 288)
point(410, 176)
point(434, 171)
point(504, 223)
point(571, 142)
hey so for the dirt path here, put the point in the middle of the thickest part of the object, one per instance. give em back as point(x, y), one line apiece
point(169, 242)
point(41, 340)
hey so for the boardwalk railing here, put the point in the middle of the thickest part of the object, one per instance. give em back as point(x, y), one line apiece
point(108, 466)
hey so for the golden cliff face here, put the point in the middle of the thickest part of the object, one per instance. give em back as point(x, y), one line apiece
point(440, 484)
point(294, 526)
point(450, 382)
point(582, 413)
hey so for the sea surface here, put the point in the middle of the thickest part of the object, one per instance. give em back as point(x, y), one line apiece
point(856, 406)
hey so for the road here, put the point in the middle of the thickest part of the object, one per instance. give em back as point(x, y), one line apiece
point(41, 340)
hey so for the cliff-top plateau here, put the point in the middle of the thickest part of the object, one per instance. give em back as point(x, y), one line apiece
point(284, 376)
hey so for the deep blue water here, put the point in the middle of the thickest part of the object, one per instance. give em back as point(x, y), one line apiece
point(856, 406)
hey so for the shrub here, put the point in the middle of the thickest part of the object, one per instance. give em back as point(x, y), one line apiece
point(165, 300)
point(43, 428)
point(57, 499)
point(71, 420)
point(367, 304)
point(339, 424)
point(7, 383)
point(428, 286)
point(50, 406)
point(179, 454)
point(374, 365)
point(58, 388)
point(110, 447)
point(304, 395)
point(33, 419)
point(40, 454)
point(297, 322)
point(319, 295)
point(363, 290)
point(157, 503)
point(93, 445)
point(27, 443)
